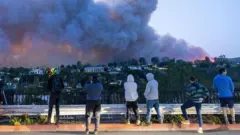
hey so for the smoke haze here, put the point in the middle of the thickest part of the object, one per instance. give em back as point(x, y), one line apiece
point(55, 32)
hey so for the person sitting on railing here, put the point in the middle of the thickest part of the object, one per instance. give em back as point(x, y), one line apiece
point(195, 93)
point(131, 96)
point(151, 94)
point(55, 86)
point(225, 89)
point(93, 105)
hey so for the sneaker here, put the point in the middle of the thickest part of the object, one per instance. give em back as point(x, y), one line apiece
point(149, 123)
point(186, 122)
point(161, 121)
point(138, 122)
point(87, 132)
point(95, 132)
point(200, 131)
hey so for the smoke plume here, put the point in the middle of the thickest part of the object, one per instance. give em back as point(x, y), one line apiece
point(54, 32)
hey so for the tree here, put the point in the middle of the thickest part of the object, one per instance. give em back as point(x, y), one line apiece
point(142, 61)
point(155, 60)
point(134, 62)
point(79, 64)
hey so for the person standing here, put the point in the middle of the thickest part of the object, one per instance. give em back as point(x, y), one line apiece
point(225, 89)
point(131, 96)
point(151, 94)
point(55, 86)
point(196, 93)
point(93, 104)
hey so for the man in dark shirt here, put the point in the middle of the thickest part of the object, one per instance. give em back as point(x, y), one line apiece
point(55, 86)
point(93, 104)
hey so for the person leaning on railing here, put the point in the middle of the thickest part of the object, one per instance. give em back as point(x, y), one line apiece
point(225, 89)
point(94, 91)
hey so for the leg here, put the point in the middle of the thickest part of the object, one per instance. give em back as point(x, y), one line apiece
point(89, 114)
point(51, 102)
point(156, 107)
point(185, 106)
point(149, 107)
point(198, 107)
point(57, 109)
point(97, 111)
point(128, 112)
point(224, 109)
point(135, 110)
point(232, 110)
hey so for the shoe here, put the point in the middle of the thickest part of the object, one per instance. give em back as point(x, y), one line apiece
point(161, 121)
point(87, 132)
point(95, 132)
point(138, 122)
point(227, 122)
point(200, 131)
point(186, 122)
point(149, 123)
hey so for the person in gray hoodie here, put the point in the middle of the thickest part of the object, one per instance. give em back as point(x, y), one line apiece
point(93, 105)
point(131, 96)
point(151, 94)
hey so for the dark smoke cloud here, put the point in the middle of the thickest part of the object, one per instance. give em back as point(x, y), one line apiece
point(54, 32)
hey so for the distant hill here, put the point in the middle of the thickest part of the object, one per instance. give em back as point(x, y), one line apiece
point(235, 60)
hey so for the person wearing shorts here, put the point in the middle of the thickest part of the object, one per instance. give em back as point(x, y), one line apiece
point(225, 89)
point(93, 104)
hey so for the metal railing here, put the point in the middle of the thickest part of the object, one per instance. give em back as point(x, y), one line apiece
point(79, 97)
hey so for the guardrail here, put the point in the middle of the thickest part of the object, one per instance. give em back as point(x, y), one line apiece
point(78, 97)
point(70, 110)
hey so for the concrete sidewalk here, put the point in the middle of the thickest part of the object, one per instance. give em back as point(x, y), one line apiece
point(128, 133)
point(117, 128)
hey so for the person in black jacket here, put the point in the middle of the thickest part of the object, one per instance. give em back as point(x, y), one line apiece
point(55, 86)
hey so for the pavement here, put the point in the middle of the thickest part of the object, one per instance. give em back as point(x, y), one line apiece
point(129, 133)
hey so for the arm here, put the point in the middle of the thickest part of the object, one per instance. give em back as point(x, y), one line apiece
point(231, 85)
point(147, 90)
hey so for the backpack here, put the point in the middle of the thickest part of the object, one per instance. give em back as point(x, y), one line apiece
point(57, 84)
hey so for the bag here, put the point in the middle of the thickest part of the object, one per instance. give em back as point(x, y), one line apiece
point(56, 84)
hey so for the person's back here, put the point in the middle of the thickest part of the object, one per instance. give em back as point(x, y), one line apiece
point(224, 86)
point(93, 103)
point(196, 91)
point(93, 91)
point(130, 87)
point(151, 92)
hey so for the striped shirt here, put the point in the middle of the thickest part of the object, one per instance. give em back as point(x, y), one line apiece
point(195, 91)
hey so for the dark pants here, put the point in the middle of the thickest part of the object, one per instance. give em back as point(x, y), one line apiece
point(198, 107)
point(54, 100)
point(93, 108)
point(134, 107)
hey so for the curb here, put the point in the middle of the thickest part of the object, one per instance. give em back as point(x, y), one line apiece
point(116, 127)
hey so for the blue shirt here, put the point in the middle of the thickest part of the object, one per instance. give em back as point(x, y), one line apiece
point(224, 86)
point(94, 91)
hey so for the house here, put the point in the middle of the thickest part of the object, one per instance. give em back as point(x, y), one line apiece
point(135, 67)
point(36, 71)
point(93, 69)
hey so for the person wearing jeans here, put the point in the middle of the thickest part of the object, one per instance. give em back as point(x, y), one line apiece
point(131, 96)
point(151, 94)
point(93, 106)
point(196, 93)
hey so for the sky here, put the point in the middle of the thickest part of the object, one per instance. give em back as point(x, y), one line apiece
point(213, 25)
